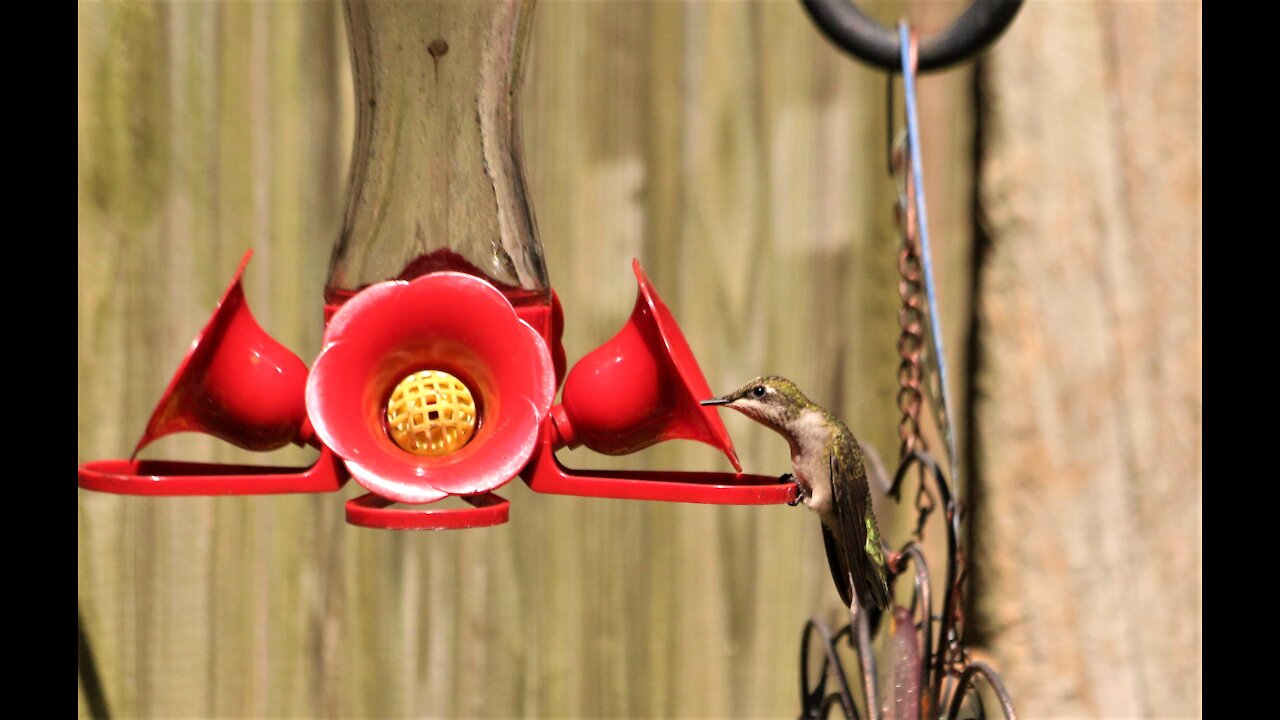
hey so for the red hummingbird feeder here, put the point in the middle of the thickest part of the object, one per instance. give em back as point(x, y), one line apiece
point(442, 351)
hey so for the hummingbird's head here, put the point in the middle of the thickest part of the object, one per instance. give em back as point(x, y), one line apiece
point(771, 400)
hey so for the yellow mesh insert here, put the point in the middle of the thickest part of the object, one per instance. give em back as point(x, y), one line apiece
point(431, 413)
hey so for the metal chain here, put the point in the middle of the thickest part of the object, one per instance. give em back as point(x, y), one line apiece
point(911, 313)
point(911, 317)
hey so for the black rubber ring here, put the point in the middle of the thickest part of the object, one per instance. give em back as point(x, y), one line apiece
point(864, 38)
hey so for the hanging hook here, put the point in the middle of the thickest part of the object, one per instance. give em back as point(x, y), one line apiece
point(864, 38)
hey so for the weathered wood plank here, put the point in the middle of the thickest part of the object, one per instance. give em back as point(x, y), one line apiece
point(1089, 394)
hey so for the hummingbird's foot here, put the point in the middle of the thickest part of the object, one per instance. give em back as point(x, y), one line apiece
point(800, 493)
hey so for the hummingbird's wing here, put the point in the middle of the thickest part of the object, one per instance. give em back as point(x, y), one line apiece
point(861, 563)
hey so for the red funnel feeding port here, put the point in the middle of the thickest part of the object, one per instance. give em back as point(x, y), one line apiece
point(236, 383)
point(640, 388)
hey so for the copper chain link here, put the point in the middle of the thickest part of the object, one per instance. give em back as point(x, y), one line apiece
point(911, 314)
point(911, 317)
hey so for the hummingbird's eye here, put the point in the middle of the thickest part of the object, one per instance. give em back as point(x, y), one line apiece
point(758, 391)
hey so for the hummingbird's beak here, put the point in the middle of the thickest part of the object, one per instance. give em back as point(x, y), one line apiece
point(717, 401)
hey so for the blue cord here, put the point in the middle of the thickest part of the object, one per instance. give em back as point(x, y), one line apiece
point(922, 218)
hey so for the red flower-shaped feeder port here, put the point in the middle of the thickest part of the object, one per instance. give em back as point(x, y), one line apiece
point(640, 388)
point(238, 384)
point(430, 388)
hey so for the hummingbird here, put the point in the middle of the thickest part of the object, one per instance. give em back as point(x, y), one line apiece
point(832, 479)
